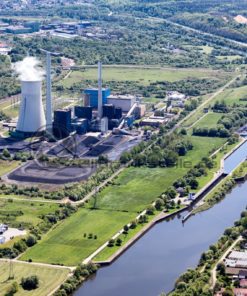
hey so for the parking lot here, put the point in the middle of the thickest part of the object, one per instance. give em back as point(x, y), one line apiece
point(12, 233)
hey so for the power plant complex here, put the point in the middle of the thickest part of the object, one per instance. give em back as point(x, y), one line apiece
point(101, 111)
point(101, 124)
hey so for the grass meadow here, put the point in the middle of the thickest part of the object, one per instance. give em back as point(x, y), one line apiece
point(66, 244)
point(136, 188)
point(144, 76)
point(49, 278)
point(25, 213)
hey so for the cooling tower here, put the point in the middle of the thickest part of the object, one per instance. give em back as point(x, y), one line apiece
point(31, 116)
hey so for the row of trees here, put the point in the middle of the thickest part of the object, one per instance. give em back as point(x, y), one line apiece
point(162, 150)
point(81, 274)
point(211, 132)
point(196, 281)
point(22, 156)
point(234, 119)
point(158, 155)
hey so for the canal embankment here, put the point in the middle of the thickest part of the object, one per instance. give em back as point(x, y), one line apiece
point(196, 205)
point(231, 161)
point(155, 261)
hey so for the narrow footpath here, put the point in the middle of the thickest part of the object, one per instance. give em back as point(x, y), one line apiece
point(214, 271)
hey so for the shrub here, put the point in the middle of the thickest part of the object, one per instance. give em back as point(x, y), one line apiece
point(150, 210)
point(12, 289)
point(133, 225)
point(159, 204)
point(111, 243)
point(31, 241)
point(30, 283)
point(119, 242)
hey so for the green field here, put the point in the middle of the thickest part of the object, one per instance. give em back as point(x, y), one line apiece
point(136, 188)
point(49, 277)
point(210, 120)
point(234, 95)
point(27, 213)
point(66, 244)
point(8, 166)
point(116, 205)
point(107, 252)
point(203, 180)
point(143, 76)
point(229, 95)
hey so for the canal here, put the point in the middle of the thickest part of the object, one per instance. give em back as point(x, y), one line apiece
point(235, 158)
point(154, 262)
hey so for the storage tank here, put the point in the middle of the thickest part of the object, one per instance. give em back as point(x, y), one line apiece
point(31, 115)
point(104, 125)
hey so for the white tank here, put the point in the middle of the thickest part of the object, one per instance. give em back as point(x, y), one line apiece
point(104, 125)
point(31, 115)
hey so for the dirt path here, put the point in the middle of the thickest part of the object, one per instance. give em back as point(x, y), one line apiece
point(190, 29)
point(214, 272)
point(199, 119)
point(214, 95)
point(33, 200)
point(71, 268)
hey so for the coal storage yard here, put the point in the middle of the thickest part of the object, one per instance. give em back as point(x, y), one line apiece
point(35, 173)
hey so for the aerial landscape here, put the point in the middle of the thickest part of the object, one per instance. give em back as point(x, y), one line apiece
point(123, 148)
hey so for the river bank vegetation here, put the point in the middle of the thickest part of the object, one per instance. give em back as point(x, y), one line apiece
point(241, 171)
point(197, 281)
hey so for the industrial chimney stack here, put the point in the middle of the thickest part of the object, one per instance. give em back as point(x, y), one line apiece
point(100, 103)
point(48, 92)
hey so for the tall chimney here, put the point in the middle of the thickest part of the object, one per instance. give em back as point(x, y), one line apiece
point(100, 103)
point(48, 92)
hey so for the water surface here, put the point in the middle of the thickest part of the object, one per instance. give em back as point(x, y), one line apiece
point(153, 263)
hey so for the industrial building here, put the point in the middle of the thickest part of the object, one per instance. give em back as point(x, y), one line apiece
point(84, 112)
point(109, 111)
point(85, 130)
point(18, 30)
point(104, 125)
point(100, 112)
point(118, 113)
point(81, 126)
point(93, 96)
point(154, 121)
point(25, 28)
point(140, 111)
point(62, 123)
point(125, 102)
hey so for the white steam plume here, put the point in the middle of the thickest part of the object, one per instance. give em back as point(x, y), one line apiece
point(29, 69)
